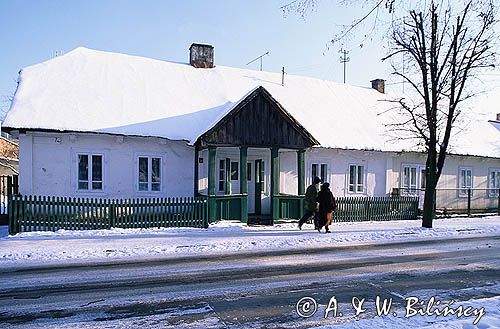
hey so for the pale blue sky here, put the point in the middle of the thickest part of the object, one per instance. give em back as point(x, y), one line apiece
point(32, 32)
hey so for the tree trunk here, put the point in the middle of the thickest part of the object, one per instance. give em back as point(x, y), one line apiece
point(429, 212)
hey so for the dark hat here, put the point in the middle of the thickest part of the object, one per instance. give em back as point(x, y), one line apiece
point(325, 185)
point(317, 180)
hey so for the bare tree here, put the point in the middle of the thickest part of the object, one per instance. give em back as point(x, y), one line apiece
point(304, 7)
point(445, 48)
point(445, 43)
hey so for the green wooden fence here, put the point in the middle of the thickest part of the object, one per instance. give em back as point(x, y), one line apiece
point(37, 213)
point(356, 209)
point(375, 209)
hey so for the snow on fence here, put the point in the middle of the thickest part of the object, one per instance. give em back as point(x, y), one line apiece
point(37, 213)
point(375, 208)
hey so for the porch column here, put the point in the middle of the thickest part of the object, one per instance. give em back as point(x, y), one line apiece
point(301, 169)
point(243, 184)
point(275, 182)
point(196, 165)
point(211, 184)
point(301, 173)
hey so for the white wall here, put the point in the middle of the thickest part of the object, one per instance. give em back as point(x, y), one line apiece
point(337, 162)
point(48, 164)
point(480, 166)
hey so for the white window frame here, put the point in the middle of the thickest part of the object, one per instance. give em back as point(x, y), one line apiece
point(462, 190)
point(493, 192)
point(264, 189)
point(356, 182)
point(90, 189)
point(411, 189)
point(149, 156)
point(223, 177)
point(320, 166)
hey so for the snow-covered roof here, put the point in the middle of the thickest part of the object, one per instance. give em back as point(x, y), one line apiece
point(94, 91)
point(496, 124)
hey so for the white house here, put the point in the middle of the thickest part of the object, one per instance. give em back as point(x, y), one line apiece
point(94, 123)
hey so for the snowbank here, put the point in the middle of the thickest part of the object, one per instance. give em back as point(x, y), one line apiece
point(36, 248)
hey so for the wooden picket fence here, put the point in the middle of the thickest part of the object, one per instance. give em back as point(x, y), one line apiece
point(375, 209)
point(37, 213)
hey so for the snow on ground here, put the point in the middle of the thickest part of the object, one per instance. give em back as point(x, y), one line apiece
point(490, 319)
point(75, 247)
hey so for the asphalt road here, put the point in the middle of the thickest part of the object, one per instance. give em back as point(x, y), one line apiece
point(260, 290)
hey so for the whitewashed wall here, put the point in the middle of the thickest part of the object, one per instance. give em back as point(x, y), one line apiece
point(338, 161)
point(480, 166)
point(48, 164)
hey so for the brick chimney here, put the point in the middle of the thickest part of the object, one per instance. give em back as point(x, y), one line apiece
point(201, 56)
point(379, 85)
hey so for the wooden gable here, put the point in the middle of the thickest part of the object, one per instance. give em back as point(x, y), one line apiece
point(258, 121)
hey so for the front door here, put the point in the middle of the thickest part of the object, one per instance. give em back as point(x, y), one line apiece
point(259, 185)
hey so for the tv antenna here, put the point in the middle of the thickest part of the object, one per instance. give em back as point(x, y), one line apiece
point(58, 53)
point(260, 57)
point(344, 59)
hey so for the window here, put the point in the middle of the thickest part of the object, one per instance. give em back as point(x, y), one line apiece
point(356, 179)
point(234, 171)
point(409, 183)
point(465, 181)
point(222, 175)
point(494, 182)
point(319, 170)
point(423, 182)
point(149, 174)
point(90, 172)
point(262, 176)
point(249, 171)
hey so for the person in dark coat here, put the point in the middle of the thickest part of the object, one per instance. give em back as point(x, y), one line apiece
point(310, 202)
point(327, 206)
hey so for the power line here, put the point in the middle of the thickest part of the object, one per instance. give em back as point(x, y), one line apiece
point(344, 59)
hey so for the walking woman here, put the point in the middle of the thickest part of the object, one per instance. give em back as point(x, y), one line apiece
point(327, 206)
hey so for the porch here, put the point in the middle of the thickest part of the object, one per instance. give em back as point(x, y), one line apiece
point(238, 161)
point(245, 183)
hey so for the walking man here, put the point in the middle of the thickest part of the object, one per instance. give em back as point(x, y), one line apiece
point(310, 202)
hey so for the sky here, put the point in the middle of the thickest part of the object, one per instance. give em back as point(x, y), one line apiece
point(35, 31)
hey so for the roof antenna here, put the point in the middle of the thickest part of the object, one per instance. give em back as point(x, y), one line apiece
point(58, 53)
point(260, 57)
point(283, 76)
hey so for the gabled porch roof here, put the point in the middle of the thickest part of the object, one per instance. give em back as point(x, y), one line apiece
point(257, 120)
